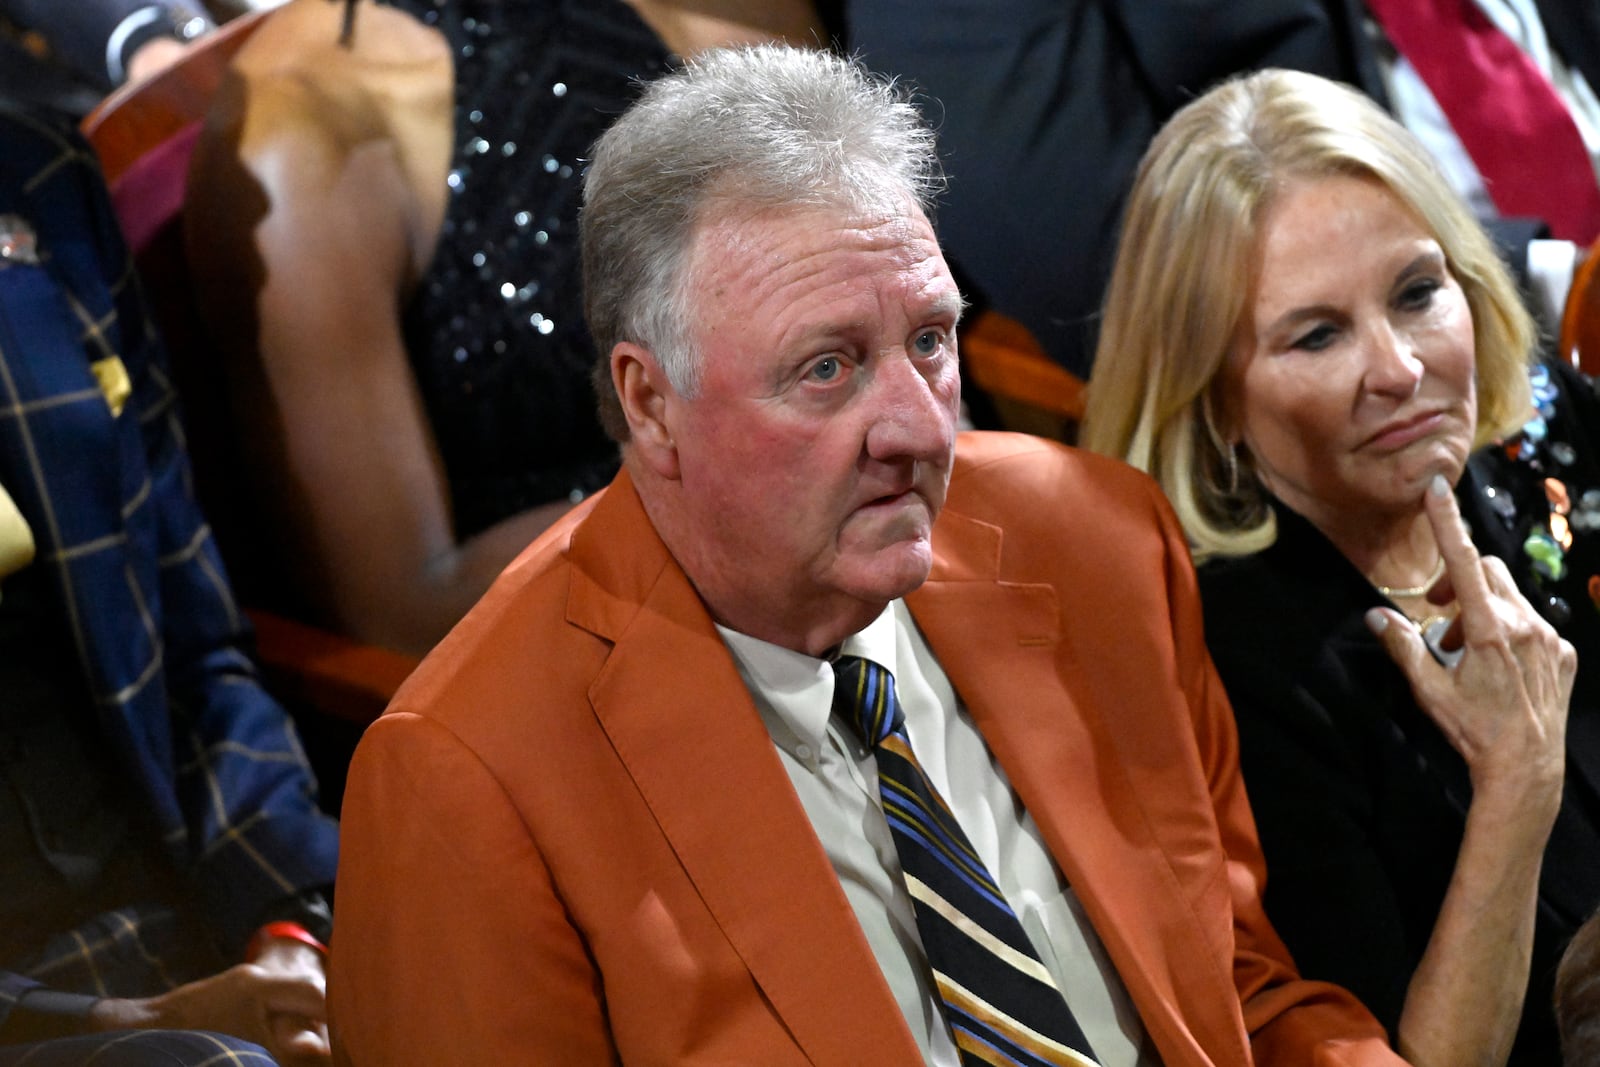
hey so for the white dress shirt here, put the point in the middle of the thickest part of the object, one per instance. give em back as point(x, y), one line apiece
point(836, 778)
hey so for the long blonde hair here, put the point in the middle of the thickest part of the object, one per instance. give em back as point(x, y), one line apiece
point(1185, 272)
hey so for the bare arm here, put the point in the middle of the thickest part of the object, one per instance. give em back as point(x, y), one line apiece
point(691, 26)
point(307, 297)
point(1504, 708)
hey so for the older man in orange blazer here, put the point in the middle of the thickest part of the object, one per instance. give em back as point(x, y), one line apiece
point(613, 818)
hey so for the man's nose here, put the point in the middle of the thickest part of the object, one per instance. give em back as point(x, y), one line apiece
point(913, 411)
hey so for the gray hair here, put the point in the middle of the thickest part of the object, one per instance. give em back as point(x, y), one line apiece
point(762, 126)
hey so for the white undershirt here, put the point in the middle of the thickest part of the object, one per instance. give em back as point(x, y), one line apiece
point(836, 779)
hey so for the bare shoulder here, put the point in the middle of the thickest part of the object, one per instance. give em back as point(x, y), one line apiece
point(306, 33)
point(301, 103)
point(318, 136)
point(691, 26)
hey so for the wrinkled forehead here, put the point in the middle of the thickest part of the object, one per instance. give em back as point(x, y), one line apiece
point(740, 202)
point(754, 254)
point(730, 229)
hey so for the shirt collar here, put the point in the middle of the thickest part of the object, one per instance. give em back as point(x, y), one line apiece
point(794, 691)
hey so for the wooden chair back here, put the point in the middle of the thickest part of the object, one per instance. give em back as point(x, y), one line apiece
point(1030, 392)
point(135, 119)
point(1580, 322)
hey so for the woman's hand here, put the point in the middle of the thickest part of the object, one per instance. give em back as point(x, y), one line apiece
point(1503, 704)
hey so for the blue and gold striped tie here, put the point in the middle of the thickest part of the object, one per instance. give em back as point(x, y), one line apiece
point(1001, 1003)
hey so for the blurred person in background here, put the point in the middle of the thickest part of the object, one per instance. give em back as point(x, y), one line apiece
point(384, 211)
point(164, 864)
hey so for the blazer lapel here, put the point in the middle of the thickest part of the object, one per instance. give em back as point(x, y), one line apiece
point(1033, 698)
point(679, 715)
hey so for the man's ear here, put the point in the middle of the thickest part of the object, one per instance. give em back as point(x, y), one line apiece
point(647, 399)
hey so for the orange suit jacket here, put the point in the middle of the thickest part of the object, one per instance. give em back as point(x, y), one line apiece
point(570, 840)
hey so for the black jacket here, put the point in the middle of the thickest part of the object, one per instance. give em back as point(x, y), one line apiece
point(1359, 799)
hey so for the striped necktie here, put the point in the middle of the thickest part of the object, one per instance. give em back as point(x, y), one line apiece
point(1001, 1003)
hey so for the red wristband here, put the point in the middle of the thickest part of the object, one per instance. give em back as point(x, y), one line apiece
point(288, 931)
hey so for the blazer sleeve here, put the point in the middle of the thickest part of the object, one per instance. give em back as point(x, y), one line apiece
point(422, 808)
point(1329, 891)
point(1358, 798)
point(1291, 1020)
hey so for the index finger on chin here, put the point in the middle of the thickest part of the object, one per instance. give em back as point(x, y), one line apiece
point(1461, 560)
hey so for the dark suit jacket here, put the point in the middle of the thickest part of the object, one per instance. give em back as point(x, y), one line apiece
point(78, 32)
point(570, 839)
point(1573, 27)
point(159, 638)
point(1044, 108)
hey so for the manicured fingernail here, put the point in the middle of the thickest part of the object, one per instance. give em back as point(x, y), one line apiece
point(1439, 487)
point(1376, 620)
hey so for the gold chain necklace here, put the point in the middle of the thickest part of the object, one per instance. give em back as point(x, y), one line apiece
point(1392, 591)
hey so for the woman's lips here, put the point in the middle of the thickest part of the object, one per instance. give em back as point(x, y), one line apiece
point(1403, 432)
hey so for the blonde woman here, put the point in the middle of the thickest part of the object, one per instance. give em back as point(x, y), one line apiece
point(1306, 337)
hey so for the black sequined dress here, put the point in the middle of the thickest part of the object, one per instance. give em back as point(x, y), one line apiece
point(495, 329)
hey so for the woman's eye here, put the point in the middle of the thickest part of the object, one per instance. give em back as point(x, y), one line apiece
point(928, 342)
point(1419, 295)
point(1314, 340)
point(826, 369)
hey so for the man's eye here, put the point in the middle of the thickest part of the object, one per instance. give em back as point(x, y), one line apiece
point(928, 342)
point(826, 370)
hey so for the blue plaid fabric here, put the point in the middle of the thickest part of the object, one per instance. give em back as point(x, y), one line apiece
point(140, 1048)
point(109, 500)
